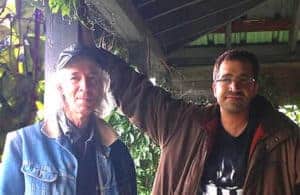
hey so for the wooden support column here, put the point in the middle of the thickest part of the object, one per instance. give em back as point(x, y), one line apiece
point(228, 35)
point(60, 34)
point(138, 56)
point(293, 35)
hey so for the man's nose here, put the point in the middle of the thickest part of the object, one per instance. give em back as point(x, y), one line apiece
point(84, 84)
point(235, 85)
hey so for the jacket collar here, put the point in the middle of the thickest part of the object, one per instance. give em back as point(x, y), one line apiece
point(106, 133)
point(270, 128)
point(273, 126)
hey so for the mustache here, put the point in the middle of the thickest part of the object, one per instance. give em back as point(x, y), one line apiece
point(238, 93)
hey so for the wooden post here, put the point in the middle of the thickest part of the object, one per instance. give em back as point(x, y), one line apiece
point(293, 34)
point(138, 56)
point(228, 35)
point(60, 34)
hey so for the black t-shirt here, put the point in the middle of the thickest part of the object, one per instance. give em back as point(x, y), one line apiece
point(226, 166)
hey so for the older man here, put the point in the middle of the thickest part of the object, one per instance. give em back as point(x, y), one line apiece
point(72, 151)
point(240, 145)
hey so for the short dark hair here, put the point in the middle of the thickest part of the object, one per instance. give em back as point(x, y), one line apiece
point(239, 55)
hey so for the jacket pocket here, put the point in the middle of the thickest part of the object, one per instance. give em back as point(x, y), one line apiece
point(39, 179)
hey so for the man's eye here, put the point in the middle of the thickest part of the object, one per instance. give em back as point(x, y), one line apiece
point(226, 80)
point(244, 80)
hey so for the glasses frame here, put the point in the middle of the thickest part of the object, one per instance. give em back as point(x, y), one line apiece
point(245, 81)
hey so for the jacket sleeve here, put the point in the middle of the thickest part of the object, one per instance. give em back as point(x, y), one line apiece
point(149, 107)
point(11, 177)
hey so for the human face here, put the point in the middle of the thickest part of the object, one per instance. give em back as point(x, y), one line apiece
point(81, 87)
point(235, 86)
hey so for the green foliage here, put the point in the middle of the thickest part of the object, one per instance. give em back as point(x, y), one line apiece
point(144, 152)
point(40, 89)
point(292, 111)
point(19, 77)
point(65, 7)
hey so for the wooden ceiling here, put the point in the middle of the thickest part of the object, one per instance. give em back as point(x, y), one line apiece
point(170, 25)
point(177, 22)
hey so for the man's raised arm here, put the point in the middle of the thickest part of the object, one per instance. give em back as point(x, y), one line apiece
point(149, 107)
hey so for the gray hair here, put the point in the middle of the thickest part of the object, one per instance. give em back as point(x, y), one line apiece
point(54, 100)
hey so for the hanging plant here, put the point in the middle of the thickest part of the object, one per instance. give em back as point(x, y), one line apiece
point(65, 7)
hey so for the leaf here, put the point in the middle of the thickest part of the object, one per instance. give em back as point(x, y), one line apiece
point(2, 71)
point(65, 10)
point(142, 149)
point(39, 105)
point(52, 4)
point(131, 138)
point(55, 9)
point(21, 68)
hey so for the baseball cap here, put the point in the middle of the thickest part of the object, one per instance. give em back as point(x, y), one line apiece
point(75, 50)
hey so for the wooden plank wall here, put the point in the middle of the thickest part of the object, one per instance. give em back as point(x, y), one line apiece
point(282, 80)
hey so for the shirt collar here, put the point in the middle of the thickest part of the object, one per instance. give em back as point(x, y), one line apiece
point(71, 131)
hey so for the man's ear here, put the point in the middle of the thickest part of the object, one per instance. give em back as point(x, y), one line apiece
point(213, 87)
point(60, 90)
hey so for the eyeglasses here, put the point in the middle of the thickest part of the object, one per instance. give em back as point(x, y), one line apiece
point(245, 81)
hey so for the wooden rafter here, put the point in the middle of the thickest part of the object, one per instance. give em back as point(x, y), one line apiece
point(143, 4)
point(160, 8)
point(173, 9)
point(190, 15)
point(185, 33)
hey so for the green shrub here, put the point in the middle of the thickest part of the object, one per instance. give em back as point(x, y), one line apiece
point(292, 111)
point(144, 152)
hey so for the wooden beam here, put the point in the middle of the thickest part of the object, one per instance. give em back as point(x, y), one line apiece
point(130, 27)
point(177, 37)
point(257, 25)
point(189, 15)
point(268, 53)
point(293, 35)
point(160, 8)
point(173, 9)
point(143, 4)
point(56, 41)
point(138, 55)
point(228, 35)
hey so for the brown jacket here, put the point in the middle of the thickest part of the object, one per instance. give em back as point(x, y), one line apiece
point(185, 133)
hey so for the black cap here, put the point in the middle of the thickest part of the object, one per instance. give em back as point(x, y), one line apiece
point(76, 50)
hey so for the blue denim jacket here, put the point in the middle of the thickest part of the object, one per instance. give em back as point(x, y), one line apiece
point(34, 163)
